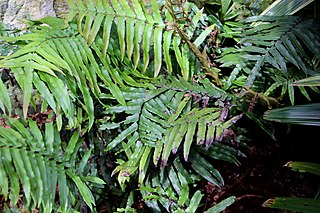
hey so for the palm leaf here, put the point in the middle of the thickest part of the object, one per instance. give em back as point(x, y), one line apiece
point(307, 205)
point(307, 114)
point(170, 189)
point(128, 20)
point(310, 81)
point(286, 7)
point(297, 204)
point(300, 166)
point(205, 169)
point(287, 85)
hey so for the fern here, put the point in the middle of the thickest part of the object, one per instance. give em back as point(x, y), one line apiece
point(163, 120)
point(62, 53)
point(287, 85)
point(171, 189)
point(140, 33)
point(5, 103)
point(171, 186)
point(39, 163)
point(49, 64)
point(134, 26)
point(276, 42)
point(103, 60)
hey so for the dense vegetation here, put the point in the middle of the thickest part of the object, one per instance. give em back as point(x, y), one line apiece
point(133, 103)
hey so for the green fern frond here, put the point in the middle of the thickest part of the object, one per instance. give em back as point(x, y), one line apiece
point(5, 102)
point(164, 120)
point(171, 187)
point(141, 33)
point(287, 87)
point(136, 28)
point(276, 42)
point(36, 160)
point(60, 67)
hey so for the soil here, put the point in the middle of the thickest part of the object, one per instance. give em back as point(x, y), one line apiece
point(262, 175)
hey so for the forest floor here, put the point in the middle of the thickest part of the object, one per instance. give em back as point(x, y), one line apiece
point(262, 174)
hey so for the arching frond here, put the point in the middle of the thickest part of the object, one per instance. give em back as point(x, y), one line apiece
point(108, 60)
point(60, 67)
point(141, 33)
point(282, 81)
point(37, 161)
point(276, 42)
point(136, 28)
point(164, 120)
point(64, 69)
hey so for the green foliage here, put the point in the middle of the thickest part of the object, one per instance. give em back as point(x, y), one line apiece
point(35, 158)
point(6, 49)
point(307, 114)
point(133, 25)
point(223, 14)
point(279, 8)
point(141, 34)
point(302, 115)
point(274, 41)
point(164, 120)
point(172, 189)
point(307, 205)
point(132, 89)
point(93, 73)
point(299, 166)
point(310, 81)
point(48, 63)
point(219, 207)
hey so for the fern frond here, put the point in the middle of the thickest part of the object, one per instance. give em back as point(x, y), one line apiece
point(140, 33)
point(5, 102)
point(170, 188)
point(135, 27)
point(281, 80)
point(164, 120)
point(276, 42)
point(60, 67)
point(37, 161)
